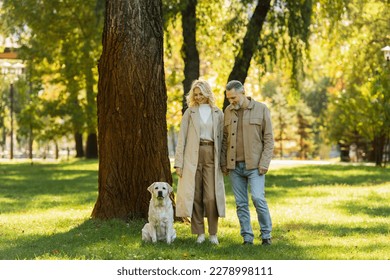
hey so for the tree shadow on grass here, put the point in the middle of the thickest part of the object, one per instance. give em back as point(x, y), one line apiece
point(92, 239)
point(23, 185)
point(357, 208)
point(116, 240)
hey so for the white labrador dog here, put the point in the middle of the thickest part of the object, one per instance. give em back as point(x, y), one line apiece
point(160, 216)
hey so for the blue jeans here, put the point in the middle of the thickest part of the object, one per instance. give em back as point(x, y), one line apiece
point(240, 177)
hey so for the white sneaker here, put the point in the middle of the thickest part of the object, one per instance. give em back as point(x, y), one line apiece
point(201, 238)
point(214, 239)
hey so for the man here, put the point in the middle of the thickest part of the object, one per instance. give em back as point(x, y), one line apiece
point(247, 149)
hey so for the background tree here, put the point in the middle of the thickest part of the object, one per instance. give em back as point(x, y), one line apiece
point(328, 53)
point(173, 65)
point(314, 94)
point(249, 44)
point(283, 115)
point(189, 49)
point(305, 129)
point(131, 109)
point(62, 37)
point(280, 22)
point(359, 95)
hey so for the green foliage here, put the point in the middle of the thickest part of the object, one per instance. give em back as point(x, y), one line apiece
point(358, 110)
point(60, 43)
point(318, 212)
point(328, 53)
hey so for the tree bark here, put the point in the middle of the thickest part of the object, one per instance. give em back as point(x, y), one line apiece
point(189, 51)
point(131, 108)
point(249, 44)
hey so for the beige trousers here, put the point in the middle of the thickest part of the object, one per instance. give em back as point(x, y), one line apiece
point(204, 201)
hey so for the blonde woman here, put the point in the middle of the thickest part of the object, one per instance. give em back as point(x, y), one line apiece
point(201, 190)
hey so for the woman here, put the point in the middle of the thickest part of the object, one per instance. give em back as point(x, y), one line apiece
point(201, 190)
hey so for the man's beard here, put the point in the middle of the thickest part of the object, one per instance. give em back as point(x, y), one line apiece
point(239, 105)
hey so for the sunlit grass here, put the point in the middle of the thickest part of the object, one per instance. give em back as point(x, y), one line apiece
point(318, 212)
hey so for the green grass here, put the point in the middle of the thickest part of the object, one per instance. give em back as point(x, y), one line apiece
point(331, 212)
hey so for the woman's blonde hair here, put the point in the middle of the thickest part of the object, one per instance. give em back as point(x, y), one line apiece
point(206, 91)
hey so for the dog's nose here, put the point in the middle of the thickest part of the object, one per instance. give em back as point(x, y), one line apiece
point(160, 194)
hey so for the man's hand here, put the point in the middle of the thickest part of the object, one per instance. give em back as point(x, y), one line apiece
point(262, 170)
point(179, 171)
point(225, 171)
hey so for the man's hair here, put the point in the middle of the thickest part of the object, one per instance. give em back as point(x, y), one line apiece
point(236, 85)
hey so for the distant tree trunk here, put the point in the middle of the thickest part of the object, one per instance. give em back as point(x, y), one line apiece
point(91, 149)
point(281, 133)
point(31, 131)
point(131, 106)
point(78, 138)
point(386, 150)
point(378, 147)
point(30, 142)
point(249, 44)
point(303, 132)
point(91, 145)
point(173, 139)
point(57, 150)
point(75, 108)
point(189, 52)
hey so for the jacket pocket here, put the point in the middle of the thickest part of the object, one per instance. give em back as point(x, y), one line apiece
point(255, 125)
point(256, 121)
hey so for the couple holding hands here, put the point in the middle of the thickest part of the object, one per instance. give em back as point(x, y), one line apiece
point(238, 143)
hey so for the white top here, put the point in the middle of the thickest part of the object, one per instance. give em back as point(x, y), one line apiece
point(204, 111)
point(206, 122)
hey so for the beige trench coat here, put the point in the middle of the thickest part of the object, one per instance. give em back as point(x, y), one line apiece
point(186, 157)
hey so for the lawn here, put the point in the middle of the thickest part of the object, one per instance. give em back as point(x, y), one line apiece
point(319, 212)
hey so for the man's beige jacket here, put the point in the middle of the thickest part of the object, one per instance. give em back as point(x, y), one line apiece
point(257, 136)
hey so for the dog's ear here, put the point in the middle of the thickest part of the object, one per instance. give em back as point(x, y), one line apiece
point(150, 188)
point(170, 189)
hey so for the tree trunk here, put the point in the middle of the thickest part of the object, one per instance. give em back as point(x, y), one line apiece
point(57, 150)
point(30, 143)
point(189, 51)
point(282, 126)
point(249, 44)
point(131, 106)
point(91, 145)
point(386, 151)
point(91, 150)
point(379, 144)
point(78, 138)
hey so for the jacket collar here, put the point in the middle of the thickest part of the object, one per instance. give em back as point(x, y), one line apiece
point(196, 117)
point(195, 109)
